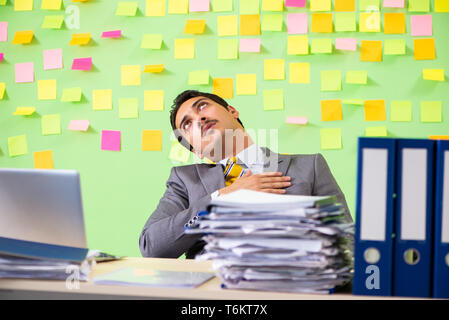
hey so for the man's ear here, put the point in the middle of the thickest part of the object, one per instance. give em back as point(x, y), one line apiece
point(234, 111)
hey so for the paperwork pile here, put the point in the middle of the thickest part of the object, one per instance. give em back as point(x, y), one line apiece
point(264, 241)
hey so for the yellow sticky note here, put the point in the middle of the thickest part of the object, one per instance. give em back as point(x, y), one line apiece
point(297, 45)
point(199, 77)
point(151, 41)
point(331, 110)
point(431, 111)
point(394, 23)
point(128, 108)
point(322, 22)
point(2, 89)
point(321, 45)
point(223, 87)
point(155, 8)
point(424, 49)
point(155, 68)
point(320, 5)
point(184, 48)
point(17, 145)
point(394, 47)
point(178, 152)
point(227, 25)
point(153, 100)
point(228, 49)
point(330, 80)
point(330, 138)
point(273, 99)
point(299, 72)
point(246, 84)
point(371, 50)
point(24, 111)
point(369, 22)
point(433, 74)
point(401, 111)
point(43, 159)
point(131, 75)
point(249, 25)
point(71, 94)
point(46, 89)
point(274, 69)
point(23, 37)
point(375, 110)
point(418, 5)
point(152, 140)
point(51, 124)
point(23, 5)
point(441, 5)
point(80, 39)
point(102, 99)
point(51, 4)
point(126, 9)
point(53, 22)
point(272, 5)
point(178, 6)
point(356, 77)
point(380, 131)
point(344, 5)
point(197, 26)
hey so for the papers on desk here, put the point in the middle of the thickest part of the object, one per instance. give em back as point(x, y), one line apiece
point(264, 241)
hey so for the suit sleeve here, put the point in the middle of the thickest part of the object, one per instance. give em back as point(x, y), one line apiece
point(162, 235)
point(325, 184)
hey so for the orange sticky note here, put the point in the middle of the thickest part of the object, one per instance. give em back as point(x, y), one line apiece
point(438, 137)
point(195, 26)
point(375, 110)
point(156, 68)
point(43, 159)
point(371, 50)
point(424, 49)
point(394, 23)
point(152, 140)
point(249, 25)
point(223, 87)
point(344, 5)
point(322, 22)
point(80, 39)
point(331, 110)
point(23, 37)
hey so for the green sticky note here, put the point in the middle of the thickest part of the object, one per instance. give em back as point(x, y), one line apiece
point(431, 111)
point(51, 124)
point(126, 9)
point(249, 7)
point(2, 2)
point(401, 110)
point(331, 80)
point(52, 22)
point(128, 108)
point(199, 77)
point(356, 77)
point(228, 48)
point(273, 99)
point(418, 5)
point(17, 145)
point(394, 47)
point(321, 45)
point(345, 21)
point(357, 102)
point(71, 95)
point(151, 41)
point(178, 152)
point(330, 138)
point(272, 22)
point(369, 5)
point(221, 5)
point(380, 131)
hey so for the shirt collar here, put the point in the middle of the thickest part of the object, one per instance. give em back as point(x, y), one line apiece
point(250, 156)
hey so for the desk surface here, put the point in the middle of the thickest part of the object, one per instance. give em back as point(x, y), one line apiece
point(209, 290)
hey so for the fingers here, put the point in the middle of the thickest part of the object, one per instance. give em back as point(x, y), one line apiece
point(276, 185)
point(278, 191)
point(271, 174)
point(274, 179)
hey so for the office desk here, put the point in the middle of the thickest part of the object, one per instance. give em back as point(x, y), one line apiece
point(44, 289)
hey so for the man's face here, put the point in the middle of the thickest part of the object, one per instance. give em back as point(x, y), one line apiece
point(202, 122)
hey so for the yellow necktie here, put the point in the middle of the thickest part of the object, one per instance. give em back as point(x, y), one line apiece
point(232, 171)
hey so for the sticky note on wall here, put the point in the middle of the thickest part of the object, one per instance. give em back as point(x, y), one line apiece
point(331, 110)
point(126, 9)
point(299, 72)
point(51, 124)
point(128, 108)
point(79, 125)
point(330, 138)
point(272, 5)
point(295, 3)
point(375, 110)
point(23, 5)
point(228, 49)
point(297, 45)
point(195, 26)
point(296, 120)
point(43, 159)
point(80, 39)
point(320, 5)
point(52, 59)
point(421, 25)
point(424, 49)
point(102, 99)
point(17, 145)
point(51, 4)
point(24, 111)
point(227, 25)
point(249, 7)
point(153, 100)
point(178, 6)
point(371, 50)
point(321, 45)
point(250, 25)
point(379, 131)
point(297, 23)
point(322, 22)
point(184, 48)
point(330, 80)
point(46, 89)
point(23, 37)
point(394, 23)
point(110, 140)
point(274, 69)
point(223, 87)
point(199, 77)
point(24, 72)
point(249, 45)
point(222, 5)
point(2, 89)
point(441, 5)
point(246, 84)
point(349, 44)
point(344, 5)
point(131, 75)
point(394, 47)
point(3, 31)
point(84, 64)
point(369, 22)
point(71, 94)
point(401, 111)
point(151, 41)
point(433, 74)
point(155, 8)
point(431, 111)
point(151, 140)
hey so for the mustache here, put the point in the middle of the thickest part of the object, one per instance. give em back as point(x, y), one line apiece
point(205, 125)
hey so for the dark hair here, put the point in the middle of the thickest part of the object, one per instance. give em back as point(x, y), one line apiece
point(183, 97)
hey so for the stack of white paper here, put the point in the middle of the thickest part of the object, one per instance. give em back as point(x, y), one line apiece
point(264, 241)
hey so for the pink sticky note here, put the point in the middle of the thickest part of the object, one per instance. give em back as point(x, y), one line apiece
point(295, 3)
point(198, 5)
point(24, 72)
point(394, 3)
point(421, 25)
point(1, 57)
point(78, 125)
point(110, 140)
point(296, 120)
point(250, 45)
point(82, 64)
point(297, 23)
point(52, 59)
point(349, 44)
point(112, 34)
point(3, 31)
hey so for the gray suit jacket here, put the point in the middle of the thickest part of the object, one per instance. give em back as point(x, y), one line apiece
point(188, 192)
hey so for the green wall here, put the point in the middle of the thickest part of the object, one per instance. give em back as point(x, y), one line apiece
point(121, 189)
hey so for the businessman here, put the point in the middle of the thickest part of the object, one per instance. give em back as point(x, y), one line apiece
point(205, 124)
